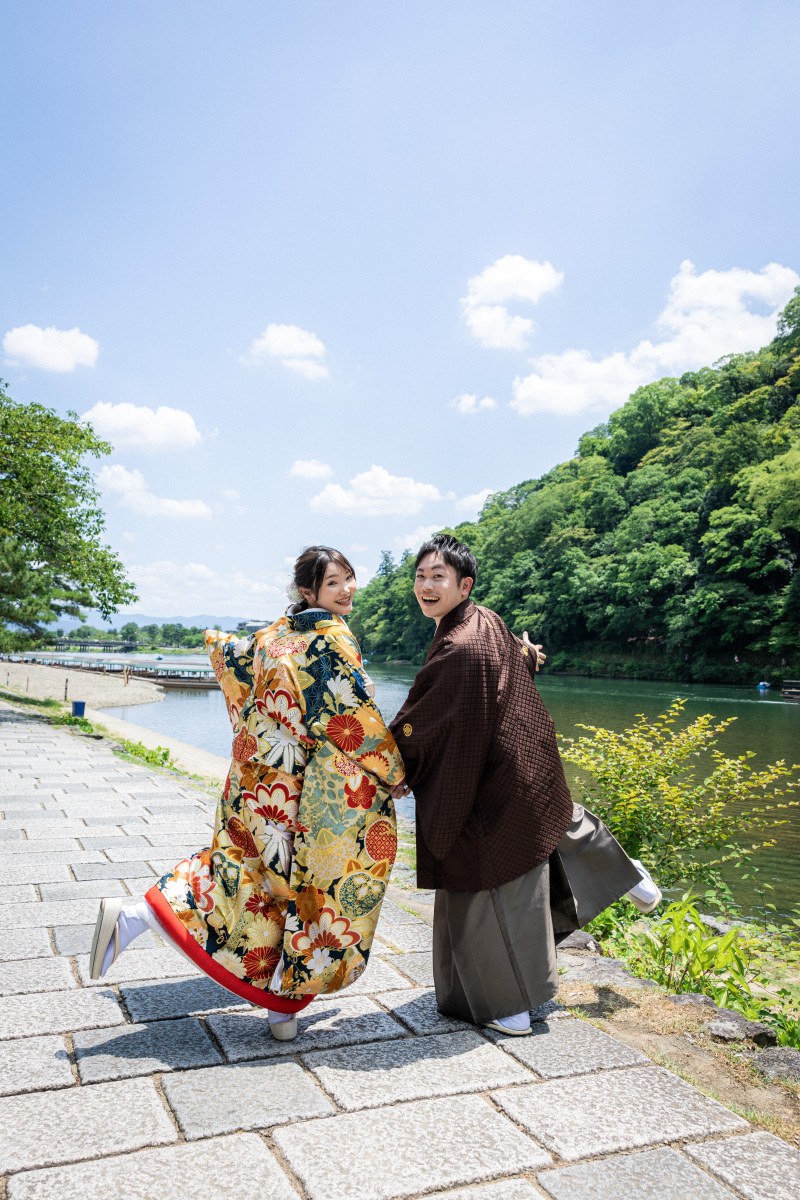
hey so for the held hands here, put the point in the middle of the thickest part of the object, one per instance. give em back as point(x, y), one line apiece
point(535, 649)
point(399, 790)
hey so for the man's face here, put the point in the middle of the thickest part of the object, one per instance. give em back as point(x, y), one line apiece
point(437, 588)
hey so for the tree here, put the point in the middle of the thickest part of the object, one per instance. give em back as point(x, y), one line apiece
point(53, 562)
point(129, 632)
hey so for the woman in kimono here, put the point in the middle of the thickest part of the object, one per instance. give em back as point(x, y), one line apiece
point(283, 905)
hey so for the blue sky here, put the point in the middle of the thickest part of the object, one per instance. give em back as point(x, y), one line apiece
point(374, 259)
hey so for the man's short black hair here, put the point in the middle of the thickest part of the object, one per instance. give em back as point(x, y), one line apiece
point(453, 552)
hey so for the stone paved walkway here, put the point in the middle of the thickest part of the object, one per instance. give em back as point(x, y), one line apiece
point(132, 1088)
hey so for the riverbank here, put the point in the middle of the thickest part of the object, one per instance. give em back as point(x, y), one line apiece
point(38, 682)
point(598, 663)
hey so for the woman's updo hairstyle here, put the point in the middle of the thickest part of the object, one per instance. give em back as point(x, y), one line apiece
point(309, 572)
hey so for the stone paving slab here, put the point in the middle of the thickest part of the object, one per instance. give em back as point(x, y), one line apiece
point(327, 1023)
point(33, 1064)
point(20, 893)
point(10, 836)
point(63, 845)
point(176, 834)
point(106, 870)
point(662, 1174)
point(599, 971)
point(60, 1127)
point(77, 939)
point(54, 912)
point(103, 1054)
point(417, 965)
point(378, 977)
point(38, 975)
point(506, 1189)
point(410, 1148)
point(42, 872)
point(38, 831)
point(135, 853)
point(616, 1110)
point(217, 1169)
point(31, 859)
point(17, 944)
point(568, 1047)
point(413, 1069)
point(760, 1165)
point(139, 965)
point(393, 914)
point(122, 845)
point(57, 1012)
point(417, 1009)
point(177, 998)
point(245, 1096)
point(94, 888)
point(408, 937)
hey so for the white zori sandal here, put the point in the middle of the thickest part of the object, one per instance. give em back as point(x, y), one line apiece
point(105, 929)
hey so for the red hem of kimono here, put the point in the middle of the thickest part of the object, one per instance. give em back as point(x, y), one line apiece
point(180, 934)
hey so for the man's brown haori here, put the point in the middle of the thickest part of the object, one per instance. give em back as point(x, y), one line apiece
point(481, 758)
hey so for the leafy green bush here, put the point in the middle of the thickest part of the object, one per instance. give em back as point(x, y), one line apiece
point(679, 952)
point(643, 783)
point(160, 757)
point(78, 722)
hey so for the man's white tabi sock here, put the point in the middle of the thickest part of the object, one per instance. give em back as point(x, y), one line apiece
point(133, 920)
point(646, 895)
point(519, 1022)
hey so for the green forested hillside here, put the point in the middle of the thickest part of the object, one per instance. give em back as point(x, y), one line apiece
point(667, 545)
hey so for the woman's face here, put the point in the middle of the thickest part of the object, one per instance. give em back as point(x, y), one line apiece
point(335, 593)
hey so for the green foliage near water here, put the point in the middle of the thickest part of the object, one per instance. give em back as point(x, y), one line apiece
point(53, 562)
point(159, 757)
point(665, 547)
point(643, 782)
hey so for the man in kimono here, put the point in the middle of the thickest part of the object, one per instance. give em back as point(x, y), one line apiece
point(516, 866)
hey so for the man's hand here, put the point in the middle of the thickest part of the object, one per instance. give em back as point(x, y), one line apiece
point(399, 790)
point(537, 650)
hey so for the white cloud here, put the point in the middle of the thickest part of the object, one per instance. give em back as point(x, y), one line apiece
point(135, 426)
point(472, 505)
point(358, 547)
point(510, 278)
point(706, 317)
point(310, 468)
point(298, 350)
point(413, 541)
point(133, 493)
point(471, 404)
point(49, 349)
point(230, 494)
point(376, 493)
point(167, 586)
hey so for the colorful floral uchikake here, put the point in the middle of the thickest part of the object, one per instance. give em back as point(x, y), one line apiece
point(289, 892)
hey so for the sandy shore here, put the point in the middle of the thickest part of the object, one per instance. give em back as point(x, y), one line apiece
point(98, 690)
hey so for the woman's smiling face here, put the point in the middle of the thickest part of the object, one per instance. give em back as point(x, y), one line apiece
point(335, 592)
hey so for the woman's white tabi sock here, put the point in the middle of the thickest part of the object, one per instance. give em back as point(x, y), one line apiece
point(646, 895)
point(133, 920)
point(518, 1022)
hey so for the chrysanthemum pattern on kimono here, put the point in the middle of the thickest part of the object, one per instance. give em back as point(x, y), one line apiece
point(305, 833)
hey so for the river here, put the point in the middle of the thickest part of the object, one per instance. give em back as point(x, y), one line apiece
point(764, 723)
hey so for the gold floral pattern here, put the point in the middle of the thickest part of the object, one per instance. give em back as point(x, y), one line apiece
point(288, 895)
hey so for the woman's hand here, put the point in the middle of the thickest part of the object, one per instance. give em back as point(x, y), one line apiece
point(537, 650)
point(399, 790)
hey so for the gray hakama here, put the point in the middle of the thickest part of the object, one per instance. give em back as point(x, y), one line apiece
point(494, 952)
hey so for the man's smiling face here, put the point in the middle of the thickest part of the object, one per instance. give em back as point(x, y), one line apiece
point(437, 587)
